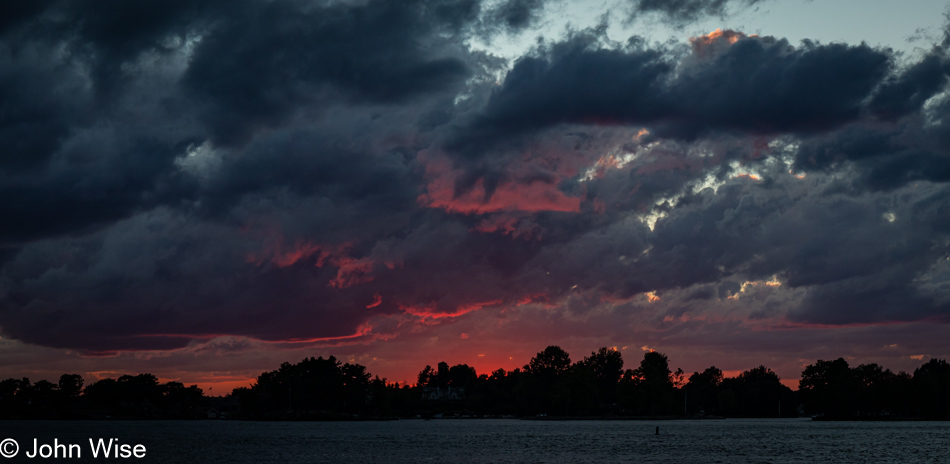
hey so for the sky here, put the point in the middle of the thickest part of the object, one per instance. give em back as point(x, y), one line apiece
point(202, 190)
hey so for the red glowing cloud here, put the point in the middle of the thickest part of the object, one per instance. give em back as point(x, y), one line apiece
point(350, 270)
point(707, 44)
point(512, 224)
point(430, 312)
point(530, 196)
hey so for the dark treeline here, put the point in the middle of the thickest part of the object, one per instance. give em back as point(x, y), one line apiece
point(834, 390)
point(138, 396)
point(550, 385)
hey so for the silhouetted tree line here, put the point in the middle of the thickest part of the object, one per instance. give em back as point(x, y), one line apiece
point(139, 396)
point(550, 384)
point(833, 390)
point(318, 388)
point(597, 385)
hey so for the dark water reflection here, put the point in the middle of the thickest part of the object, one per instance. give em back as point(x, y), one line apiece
point(504, 441)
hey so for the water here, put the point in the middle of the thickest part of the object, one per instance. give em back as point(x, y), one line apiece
point(502, 441)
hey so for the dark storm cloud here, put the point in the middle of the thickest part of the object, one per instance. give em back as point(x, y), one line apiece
point(765, 86)
point(682, 11)
point(42, 99)
point(155, 281)
point(294, 171)
point(881, 300)
point(244, 259)
point(109, 34)
point(258, 68)
point(859, 259)
point(64, 201)
point(74, 161)
point(907, 91)
point(574, 81)
point(15, 14)
point(886, 157)
point(514, 14)
point(756, 85)
point(70, 66)
point(78, 156)
point(108, 109)
point(310, 164)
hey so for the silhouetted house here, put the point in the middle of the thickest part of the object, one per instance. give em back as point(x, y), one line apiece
point(209, 412)
point(439, 393)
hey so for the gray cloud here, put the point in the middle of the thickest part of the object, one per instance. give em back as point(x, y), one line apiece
point(514, 15)
point(758, 85)
point(683, 11)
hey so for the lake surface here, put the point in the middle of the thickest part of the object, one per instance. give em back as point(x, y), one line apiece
point(500, 441)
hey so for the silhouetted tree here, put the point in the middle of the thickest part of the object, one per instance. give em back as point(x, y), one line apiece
point(932, 385)
point(382, 397)
point(577, 392)
point(760, 393)
point(15, 398)
point(544, 384)
point(426, 376)
point(180, 401)
point(128, 396)
point(458, 377)
point(606, 366)
point(499, 393)
point(102, 392)
point(897, 395)
point(702, 391)
point(462, 376)
point(874, 389)
point(443, 374)
point(649, 389)
point(827, 388)
point(550, 363)
point(70, 385)
point(315, 387)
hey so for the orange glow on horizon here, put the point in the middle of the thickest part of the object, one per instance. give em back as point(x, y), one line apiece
point(790, 383)
point(222, 387)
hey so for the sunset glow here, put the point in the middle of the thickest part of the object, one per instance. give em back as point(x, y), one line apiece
point(203, 192)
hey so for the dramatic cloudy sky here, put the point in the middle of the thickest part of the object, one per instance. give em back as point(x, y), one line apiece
point(204, 189)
